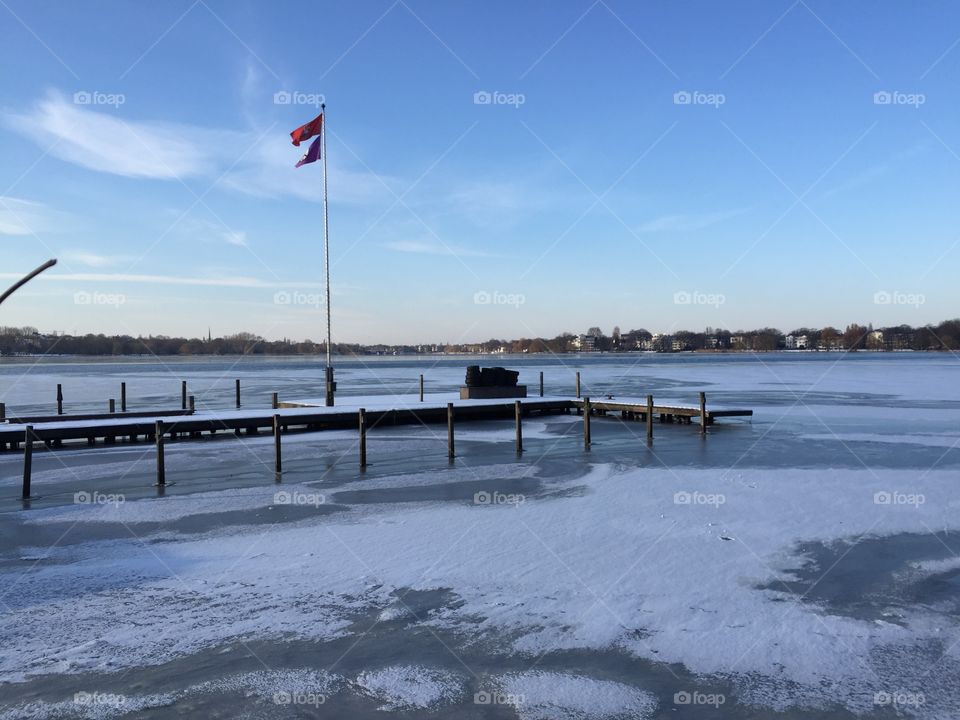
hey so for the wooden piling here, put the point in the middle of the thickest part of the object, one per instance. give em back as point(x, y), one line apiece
point(112, 405)
point(275, 401)
point(192, 403)
point(277, 451)
point(649, 417)
point(123, 397)
point(450, 451)
point(161, 470)
point(3, 411)
point(421, 387)
point(27, 461)
point(518, 419)
point(183, 394)
point(578, 383)
point(59, 399)
point(703, 413)
point(586, 421)
point(541, 383)
point(237, 381)
point(362, 417)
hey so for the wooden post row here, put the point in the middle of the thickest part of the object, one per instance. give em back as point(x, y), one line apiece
point(277, 451)
point(450, 450)
point(586, 423)
point(362, 417)
point(518, 415)
point(27, 461)
point(161, 469)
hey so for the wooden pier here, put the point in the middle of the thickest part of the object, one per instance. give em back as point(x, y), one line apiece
point(56, 430)
point(284, 417)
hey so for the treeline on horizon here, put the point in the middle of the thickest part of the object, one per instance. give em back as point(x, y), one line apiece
point(944, 336)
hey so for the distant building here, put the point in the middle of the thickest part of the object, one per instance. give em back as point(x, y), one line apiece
point(585, 343)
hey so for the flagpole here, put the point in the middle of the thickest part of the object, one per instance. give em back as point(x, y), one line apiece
point(331, 385)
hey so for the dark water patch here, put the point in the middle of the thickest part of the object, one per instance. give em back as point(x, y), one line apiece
point(875, 578)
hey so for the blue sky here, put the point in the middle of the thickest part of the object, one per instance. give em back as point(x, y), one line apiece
point(659, 165)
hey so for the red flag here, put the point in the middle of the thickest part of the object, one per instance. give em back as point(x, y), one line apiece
point(312, 154)
point(305, 132)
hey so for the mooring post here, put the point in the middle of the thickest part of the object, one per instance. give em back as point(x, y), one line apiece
point(578, 383)
point(237, 381)
point(183, 394)
point(59, 399)
point(703, 413)
point(518, 418)
point(362, 417)
point(649, 417)
point(27, 461)
point(123, 397)
point(450, 453)
point(277, 453)
point(541, 383)
point(275, 401)
point(161, 471)
point(586, 423)
point(3, 411)
point(193, 403)
point(421, 387)
point(112, 404)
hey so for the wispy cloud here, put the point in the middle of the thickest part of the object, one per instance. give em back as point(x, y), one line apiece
point(270, 173)
point(433, 248)
point(89, 259)
point(25, 217)
point(225, 281)
point(688, 222)
point(103, 141)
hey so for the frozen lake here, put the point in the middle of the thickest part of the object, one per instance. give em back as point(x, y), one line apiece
point(800, 565)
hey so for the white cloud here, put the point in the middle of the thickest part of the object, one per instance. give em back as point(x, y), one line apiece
point(433, 248)
point(79, 257)
point(223, 281)
point(103, 141)
point(270, 172)
point(688, 222)
point(26, 217)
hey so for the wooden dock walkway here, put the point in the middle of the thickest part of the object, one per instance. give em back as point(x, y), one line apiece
point(55, 430)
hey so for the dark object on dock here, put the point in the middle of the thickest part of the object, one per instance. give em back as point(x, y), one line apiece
point(495, 382)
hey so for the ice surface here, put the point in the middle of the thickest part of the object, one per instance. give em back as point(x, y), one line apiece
point(559, 696)
point(404, 687)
